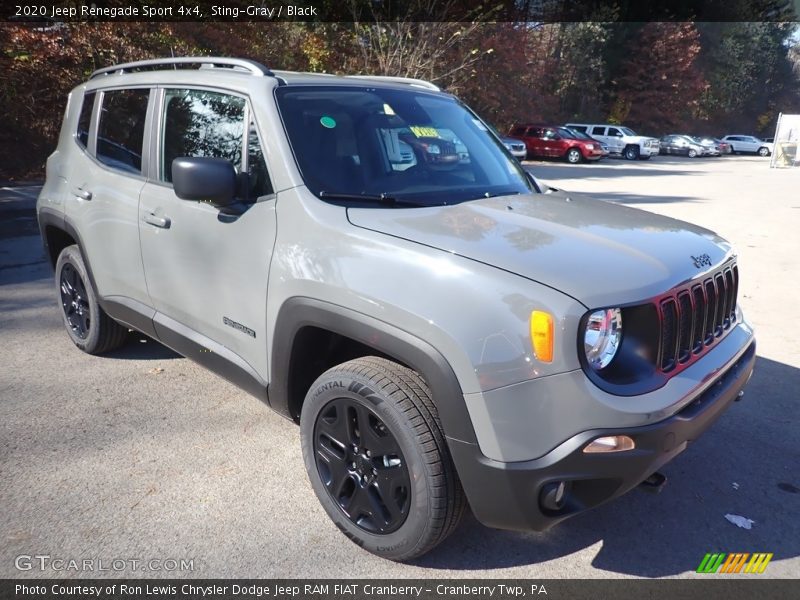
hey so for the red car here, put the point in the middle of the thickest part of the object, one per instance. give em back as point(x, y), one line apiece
point(556, 142)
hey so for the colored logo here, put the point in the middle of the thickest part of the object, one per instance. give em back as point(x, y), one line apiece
point(735, 562)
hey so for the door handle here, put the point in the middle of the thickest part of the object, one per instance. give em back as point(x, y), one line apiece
point(81, 193)
point(153, 219)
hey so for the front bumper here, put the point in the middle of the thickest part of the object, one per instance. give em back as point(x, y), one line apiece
point(595, 154)
point(506, 495)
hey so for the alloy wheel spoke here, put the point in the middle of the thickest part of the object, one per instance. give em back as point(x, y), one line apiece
point(362, 466)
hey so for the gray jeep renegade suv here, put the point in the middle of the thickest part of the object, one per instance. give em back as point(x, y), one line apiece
point(364, 256)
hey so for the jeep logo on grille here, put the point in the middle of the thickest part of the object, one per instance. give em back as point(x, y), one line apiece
point(704, 260)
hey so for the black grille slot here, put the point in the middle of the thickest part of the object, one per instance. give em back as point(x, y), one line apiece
point(711, 307)
point(669, 334)
point(719, 322)
point(685, 316)
point(699, 318)
point(735, 272)
point(730, 304)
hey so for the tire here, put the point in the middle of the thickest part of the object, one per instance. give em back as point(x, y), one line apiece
point(88, 326)
point(574, 156)
point(631, 152)
point(692, 153)
point(373, 402)
point(763, 151)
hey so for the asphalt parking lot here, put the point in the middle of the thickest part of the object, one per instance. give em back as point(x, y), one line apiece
point(143, 455)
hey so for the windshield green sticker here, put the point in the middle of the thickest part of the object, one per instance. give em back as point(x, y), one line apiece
point(328, 122)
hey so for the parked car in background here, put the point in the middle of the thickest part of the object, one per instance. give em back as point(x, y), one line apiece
point(621, 140)
point(749, 144)
point(583, 136)
point(684, 145)
point(719, 145)
point(515, 146)
point(552, 141)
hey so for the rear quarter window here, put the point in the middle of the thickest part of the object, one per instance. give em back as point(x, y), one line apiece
point(85, 119)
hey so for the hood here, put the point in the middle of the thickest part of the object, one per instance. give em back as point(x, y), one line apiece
point(601, 254)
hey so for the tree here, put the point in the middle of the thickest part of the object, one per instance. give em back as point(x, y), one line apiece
point(660, 87)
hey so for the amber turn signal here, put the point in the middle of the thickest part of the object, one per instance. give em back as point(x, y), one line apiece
point(542, 335)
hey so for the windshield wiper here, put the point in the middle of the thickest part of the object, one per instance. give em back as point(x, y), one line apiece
point(511, 193)
point(382, 198)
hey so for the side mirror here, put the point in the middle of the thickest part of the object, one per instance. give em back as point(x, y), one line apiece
point(204, 178)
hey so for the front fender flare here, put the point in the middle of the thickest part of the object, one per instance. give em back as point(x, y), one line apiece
point(298, 312)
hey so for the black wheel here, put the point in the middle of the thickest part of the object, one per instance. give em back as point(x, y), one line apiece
point(377, 458)
point(763, 151)
point(574, 156)
point(631, 152)
point(88, 326)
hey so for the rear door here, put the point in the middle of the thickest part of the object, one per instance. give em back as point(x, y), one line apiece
point(532, 141)
point(598, 132)
point(104, 178)
point(207, 268)
point(736, 143)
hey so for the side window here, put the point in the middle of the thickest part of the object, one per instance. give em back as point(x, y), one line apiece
point(258, 183)
point(84, 119)
point(581, 128)
point(614, 132)
point(598, 130)
point(201, 123)
point(120, 133)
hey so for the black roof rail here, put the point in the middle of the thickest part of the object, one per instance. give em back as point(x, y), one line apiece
point(241, 64)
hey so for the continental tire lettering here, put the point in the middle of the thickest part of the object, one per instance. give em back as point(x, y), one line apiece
point(365, 392)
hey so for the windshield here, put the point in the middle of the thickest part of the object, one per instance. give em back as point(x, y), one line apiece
point(394, 144)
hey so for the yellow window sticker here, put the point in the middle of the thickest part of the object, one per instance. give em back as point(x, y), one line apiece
point(420, 131)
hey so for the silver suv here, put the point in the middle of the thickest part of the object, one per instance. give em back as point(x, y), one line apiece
point(366, 257)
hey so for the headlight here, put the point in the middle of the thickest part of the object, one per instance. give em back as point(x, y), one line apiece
point(602, 337)
point(590, 146)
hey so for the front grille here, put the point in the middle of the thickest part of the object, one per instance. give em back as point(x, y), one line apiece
point(693, 317)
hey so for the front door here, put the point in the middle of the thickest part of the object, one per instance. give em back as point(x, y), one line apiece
point(206, 267)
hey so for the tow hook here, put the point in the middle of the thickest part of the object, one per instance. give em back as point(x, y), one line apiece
point(739, 396)
point(654, 484)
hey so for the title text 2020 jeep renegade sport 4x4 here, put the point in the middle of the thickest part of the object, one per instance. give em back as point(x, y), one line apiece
point(363, 255)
